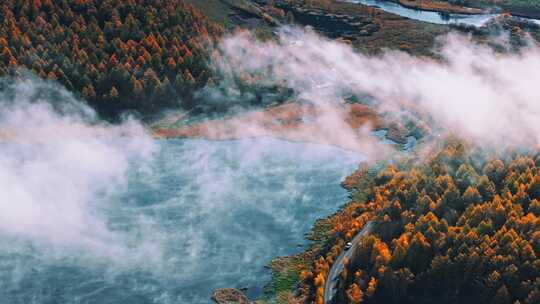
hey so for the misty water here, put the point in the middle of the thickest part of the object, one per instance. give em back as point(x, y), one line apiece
point(206, 214)
point(427, 16)
point(434, 17)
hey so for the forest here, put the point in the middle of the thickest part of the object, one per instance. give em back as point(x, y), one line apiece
point(462, 226)
point(455, 224)
point(136, 55)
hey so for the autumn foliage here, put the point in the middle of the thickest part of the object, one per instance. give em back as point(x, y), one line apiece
point(459, 227)
point(120, 55)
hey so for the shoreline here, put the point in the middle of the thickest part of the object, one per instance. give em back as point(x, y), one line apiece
point(295, 266)
point(440, 7)
point(447, 8)
point(294, 122)
point(346, 126)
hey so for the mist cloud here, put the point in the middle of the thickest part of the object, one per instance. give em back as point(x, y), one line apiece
point(471, 90)
point(59, 167)
point(84, 201)
point(62, 168)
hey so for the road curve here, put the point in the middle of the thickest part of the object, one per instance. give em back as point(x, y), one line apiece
point(330, 287)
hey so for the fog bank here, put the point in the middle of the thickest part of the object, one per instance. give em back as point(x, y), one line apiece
point(472, 91)
point(59, 166)
point(105, 213)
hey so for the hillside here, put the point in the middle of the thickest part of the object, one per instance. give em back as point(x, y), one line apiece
point(460, 226)
point(156, 151)
point(142, 55)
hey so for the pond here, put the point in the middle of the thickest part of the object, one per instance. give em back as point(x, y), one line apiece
point(200, 215)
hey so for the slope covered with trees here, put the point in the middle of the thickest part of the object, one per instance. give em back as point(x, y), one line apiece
point(460, 227)
point(138, 55)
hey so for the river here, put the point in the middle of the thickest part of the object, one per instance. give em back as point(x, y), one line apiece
point(430, 16)
point(211, 214)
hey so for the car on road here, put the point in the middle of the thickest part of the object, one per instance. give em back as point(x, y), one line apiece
point(348, 246)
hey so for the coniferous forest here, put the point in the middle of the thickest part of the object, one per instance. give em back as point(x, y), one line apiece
point(461, 227)
point(135, 55)
point(450, 220)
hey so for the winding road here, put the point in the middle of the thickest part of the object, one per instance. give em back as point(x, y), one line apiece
point(333, 275)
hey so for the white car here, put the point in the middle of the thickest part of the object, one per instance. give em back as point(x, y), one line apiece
point(348, 246)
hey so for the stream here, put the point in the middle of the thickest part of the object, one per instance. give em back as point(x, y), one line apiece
point(430, 16)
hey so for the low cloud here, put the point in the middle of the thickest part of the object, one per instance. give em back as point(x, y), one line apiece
point(64, 172)
point(471, 90)
point(89, 204)
point(59, 168)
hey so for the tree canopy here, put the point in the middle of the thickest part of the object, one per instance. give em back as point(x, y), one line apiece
point(139, 55)
point(455, 228)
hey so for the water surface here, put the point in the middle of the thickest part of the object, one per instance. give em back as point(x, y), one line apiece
point(427, 16)
point(201, 215)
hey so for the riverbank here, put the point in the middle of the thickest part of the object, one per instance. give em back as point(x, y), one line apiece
point(292, 121)
point(440, 6)
point(515, 8)
point(369, 29)
point(348, 126)
point(293, 280)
